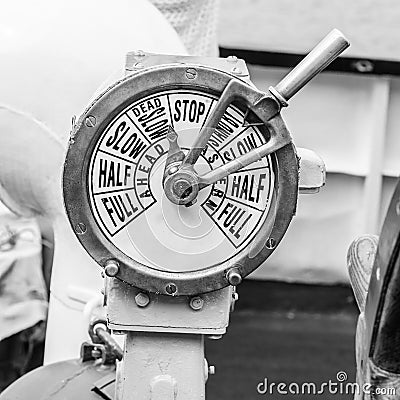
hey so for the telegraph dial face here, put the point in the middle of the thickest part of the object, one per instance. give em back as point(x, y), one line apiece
point(122, 202)
point(127, 195)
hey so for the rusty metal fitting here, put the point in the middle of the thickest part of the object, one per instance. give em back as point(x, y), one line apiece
point(270, 243)
point(138, 53)
point(236, 71)
point(96, 353)
point(90, 121)
point(142, 299)
point(214, 337)
point(111, 268)
point(196, 303)
point(232, 59)
point(171, 289)
point(234, 277)
point(191, 73)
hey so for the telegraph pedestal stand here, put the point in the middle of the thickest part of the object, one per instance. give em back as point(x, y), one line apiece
point(164, 344)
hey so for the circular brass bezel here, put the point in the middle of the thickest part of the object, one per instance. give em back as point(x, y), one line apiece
point(75, 185)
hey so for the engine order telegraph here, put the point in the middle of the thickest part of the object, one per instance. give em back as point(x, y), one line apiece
point(180, 180)
point(183, 174)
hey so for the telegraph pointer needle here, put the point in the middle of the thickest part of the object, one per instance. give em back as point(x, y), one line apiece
point(175, 154)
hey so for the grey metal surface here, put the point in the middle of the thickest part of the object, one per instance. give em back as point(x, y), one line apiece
point(70, 379)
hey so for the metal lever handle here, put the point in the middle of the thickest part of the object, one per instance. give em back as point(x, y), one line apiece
point(320, 57)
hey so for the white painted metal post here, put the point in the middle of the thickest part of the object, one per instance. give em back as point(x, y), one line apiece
point(377, 137)
point(162, 366)
point(164, 340)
